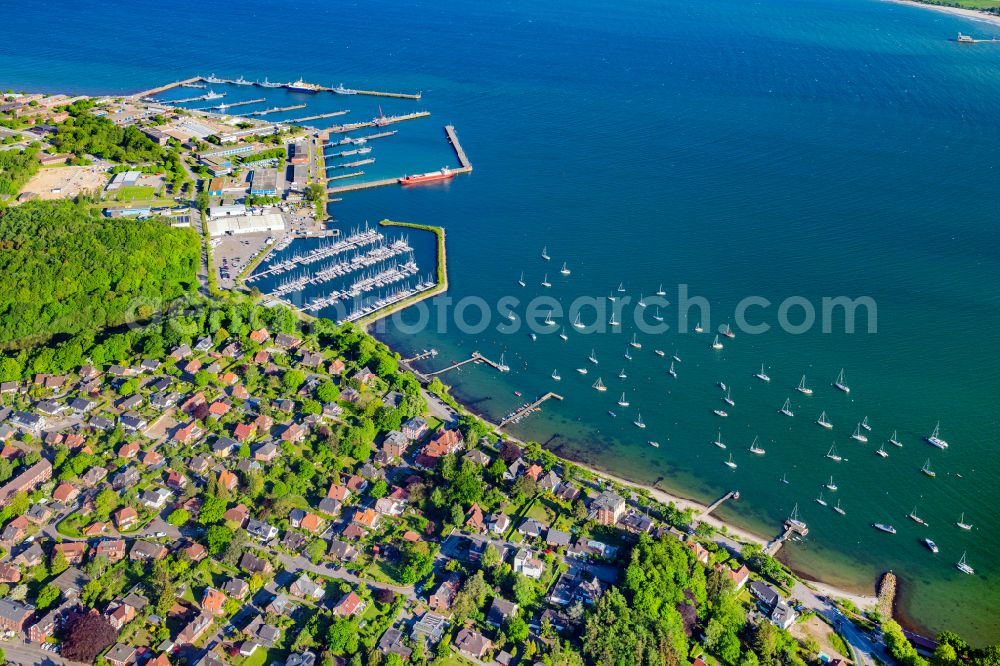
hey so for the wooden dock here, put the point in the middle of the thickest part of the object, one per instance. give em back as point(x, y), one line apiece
point(476, 357)
point(346, 175)
point(524, 411)
point(164, 88)
point(719, 502)
point(792, 527)
point(430, 353)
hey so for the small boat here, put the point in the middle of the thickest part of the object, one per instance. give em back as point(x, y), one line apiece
point(719, 412)
point(564, 270)
point(642, 301)
point(612, 298)
point(823, 422)
point(622, 375)
point(577, 323)
point(881, 452)
point(698, 328)
point(545, 281)
point(655, 445)
point(934, 440)
point(660, 292)
point(864, 424)
point(511, 316)
point(533, 337)
point(893, 440)
point(517, 393)
point(548, 320)
point(501, 366)
point(638, 421)
point(545, 254)
point(802, 388)
point(833, 455)
point(931, 546)
point(593, 357)
point(820, 500)
point(671, 371)
point(658, 316)
point(622, 402)
point(676, 357)
point(520, 280)
point(762, 375)
point(659, 352)
point(884, 527)
point(562, 334)
point(612, 414)
point(718, 441)
point(857, 434)
point(729, 463)
point(728, 398)
point(830, 485)
point(962, 566)
point(755, 448)
point(784, 479)
point(728, 332)
point(613, 321)
point(839, 510)
point(555, 375)
point(961, 522)
point(915, 518)
point(267, 84)
point(721, 385)
point(635, 343)
point(341, 90)
point(243, 82)
point(582, 371)
point(786, 409)
point(926, 469)
point(621, 287)
point(717, 345)
point(840, 385)
point(599, 386)
point(628, 354)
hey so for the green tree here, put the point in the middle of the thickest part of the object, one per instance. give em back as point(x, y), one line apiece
point(179, 517)
point(46, 597)
point(292, 380)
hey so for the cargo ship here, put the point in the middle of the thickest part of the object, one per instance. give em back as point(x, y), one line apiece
point(444, 174)
point(302, 86)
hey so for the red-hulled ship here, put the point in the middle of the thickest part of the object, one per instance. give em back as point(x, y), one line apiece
point(444, 174)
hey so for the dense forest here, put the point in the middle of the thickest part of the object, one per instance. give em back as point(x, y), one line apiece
point(85, 133)
point(65, 269)
point(16, 168)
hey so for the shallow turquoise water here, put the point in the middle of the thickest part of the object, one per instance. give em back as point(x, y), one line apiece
point(811, 149)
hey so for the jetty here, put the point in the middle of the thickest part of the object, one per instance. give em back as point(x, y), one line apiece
point(200, 98)
point(732, 494)
point(525, 410)
point(362, 139)
point(377, 93)
point(319, 116)
point(476, 357)
point(380, 121)
point(274, 109)
point(459, 151)
point(168, 86)
point(346, 175)
point(793, 527)
point(427, 353)
point(224, 106)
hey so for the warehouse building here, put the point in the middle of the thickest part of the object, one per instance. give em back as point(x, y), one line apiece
point(234, 225)
point(264, 182)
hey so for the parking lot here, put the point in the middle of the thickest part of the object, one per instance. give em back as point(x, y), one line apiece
point(233, 253)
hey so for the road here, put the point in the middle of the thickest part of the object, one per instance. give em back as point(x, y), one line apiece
point(300, 563)
point(24, 654)
point(866, 650)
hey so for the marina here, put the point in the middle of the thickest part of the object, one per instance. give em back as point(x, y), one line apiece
point(274, 109)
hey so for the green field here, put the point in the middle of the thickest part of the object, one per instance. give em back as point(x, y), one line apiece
point(135, 193)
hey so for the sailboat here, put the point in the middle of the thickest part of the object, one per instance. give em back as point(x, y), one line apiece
point(621, 287)
point(881, 452)
point(545, 254)
point(612, 298)
point(926, 469)
point(755, 448)
point(794, 520)
point(593, 357)
point(501, 366)
point(718, 441)
point(894, 440)
point(699, 328)
point(915, 518)
point(962, 566)
point(520, 280)
point(659, 352)
point(658, 316)
point(628, 354)
point(830, 485)
point(839, 510)
point(599, 386)
point(786, 409)
point(613, 321)
point(833, 455)
point(934, 440)
point(555, 375)
point(728, 399)
point(638, 421)
point(823, 422)
point(717, 344)
point(564, 270)
point(642, 301)
point(622, 375)
point(676, 357)
point(622, 402)
point(655, 445)
point(577, 323)
point(820, 500)
point(857, 434)
point(720, 412)
point(671, 371)
point(840, 385)
point(802, 388)
point(512, 316)
point(728, 332)
point(762, 375)
point(660, 292)
point(562, 334)
point(635, 343)
point(864, 424)
point(548, 320)
point(582, 371)
point(545, 281)
point(729, 463)
point(961, 522)
point(784, 479)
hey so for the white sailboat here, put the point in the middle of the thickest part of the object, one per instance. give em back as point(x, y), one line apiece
point(830, 485)
point(717, 345)
point(555, 375)
point(823, 422)
point(642, 301)
point(786, 409)
point(762, 375)
point(962, 566)
point(622, 375)
point(520, 280)
point(882, 452)
point(613, 321)
point(671, 371)
point(755, 448)
point(660, 292)
point(548, 320)
point(676, 357)
point(857, 434)
point(961, 522)
point(718, 441)
point(545, 281)
point(840, 385)
point(545, 253)
point(562, 334)
point(628, 354)
point(915, 518)
point(926, 469)
point(727, 331)
point(839, 510)
point(635, 343)
point(802, 388)
point(894, 441)
point(622, 402)
point(659, 352)
point(576, 322)
point(599, 386)
point(820, 500)
point(699, 328)
point(564, 270)
point(934, 440)
point(501, 366)
point(728, 398)
point(658, 316)
point(729, 463)
point(582, 371)
point(638, 421)
point(593, 357)
point(720, 412)
point(864, 424)
point(621, 287)
point(833, 455)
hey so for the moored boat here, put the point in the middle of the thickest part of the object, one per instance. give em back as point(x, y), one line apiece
point(802, 388)
point(729, 463)
point(931, 546)
point(934, 440)
point(833, 455)
point(884, 527)
point(430, 177)
point(786, 408)
point(839, 383)
point(762, 375)
point(858, 436)
point(823, 422)
point(963, 566)
point(926, 469)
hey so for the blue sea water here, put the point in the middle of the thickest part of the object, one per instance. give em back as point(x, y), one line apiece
point(816, 148)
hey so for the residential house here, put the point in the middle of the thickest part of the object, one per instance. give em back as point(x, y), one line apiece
point(147, 550)
point(261, 530)
point(367, 518)
point(74, 551)
point(253, 564)
point(527, 564)
point(213, 601)
point(446, 442)
point(14, 614)
point(112, 549)
point(471, 643)
point(607, 508)
point(442, 598)
point(500, 611)
point(306, 588)
point(236, 588)
point(350, 604)
point(194, 629)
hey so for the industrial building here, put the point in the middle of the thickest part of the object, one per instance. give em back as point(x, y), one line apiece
point(233, 225)
point(264, 182)
point(123, 179)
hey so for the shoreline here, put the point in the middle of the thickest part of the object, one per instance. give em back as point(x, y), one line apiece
point(972, 14)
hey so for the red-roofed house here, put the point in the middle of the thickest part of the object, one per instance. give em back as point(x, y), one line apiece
point(238, 514)
point(113, 549)
point(213, 601)
point(65, 492)
point(244, 432)
point(125, 517)
point(73, 550)
point(189, 433)
point(260, 336)
point(367, 518)
point(338, 492)
point(350, 604)
point(228, 480)
point(446, 442)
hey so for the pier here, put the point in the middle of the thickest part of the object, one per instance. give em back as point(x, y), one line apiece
point(376, 93)
point(164, 88)
point(792, 527)
point(275, 109)
point(224, 106)
point(476, 357)
point(732, 494)
point(381, 121)
point(201, 98)
point(459, 151)
point(346, 175)
point(319, 116)
point(524, 411)
point(429, 353)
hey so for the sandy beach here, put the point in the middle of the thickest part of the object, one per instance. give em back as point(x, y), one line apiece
point(972, 14)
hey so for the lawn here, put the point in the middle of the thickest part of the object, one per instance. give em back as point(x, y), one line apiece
point(135, 193)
